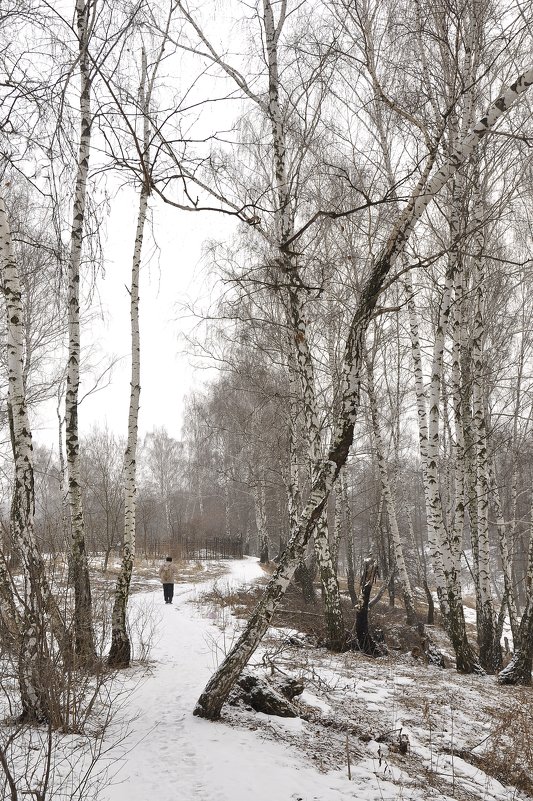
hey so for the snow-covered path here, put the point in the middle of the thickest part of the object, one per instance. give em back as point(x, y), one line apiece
point(169, 755)
point(173, 756)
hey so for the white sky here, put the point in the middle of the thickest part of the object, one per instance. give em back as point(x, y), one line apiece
point(169, 279)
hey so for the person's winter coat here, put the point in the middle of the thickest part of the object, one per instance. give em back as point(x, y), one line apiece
point(166, 573)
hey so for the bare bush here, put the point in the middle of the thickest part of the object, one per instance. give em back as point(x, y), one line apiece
point(507, 753)
point(142, 629)
point(42, 763)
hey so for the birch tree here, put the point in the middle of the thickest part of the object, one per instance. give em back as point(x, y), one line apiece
point(518, 671)
point(348, 530)
point(286, 160)
point(34, 665)
point(389, 500)
point(85, 12)
point(216, 692)
point(446, 500)
point(120, 651)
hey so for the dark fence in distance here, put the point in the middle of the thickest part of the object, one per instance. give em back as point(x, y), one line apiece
point(214, 548)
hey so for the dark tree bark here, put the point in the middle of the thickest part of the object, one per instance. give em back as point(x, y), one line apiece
point(365, 641)
point(431, 604)
point(518, 671)
point(303, 575)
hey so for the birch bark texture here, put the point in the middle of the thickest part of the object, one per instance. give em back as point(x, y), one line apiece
point(211, 700)
point(489, 646)
point(120, 651)
point(348, 531)
point(296, 319)
point(83, 623)
point(33, 663)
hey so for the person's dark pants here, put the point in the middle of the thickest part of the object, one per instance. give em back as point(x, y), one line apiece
point(168, 592)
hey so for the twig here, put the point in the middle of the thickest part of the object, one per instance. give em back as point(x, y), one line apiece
point(348, 758)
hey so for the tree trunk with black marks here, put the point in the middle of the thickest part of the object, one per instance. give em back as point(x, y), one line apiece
point(120, 651)
point(518, 671)
point(83, 622)
point(34, 666)
point(211, 700)
point(350, 576)
point(397, 545)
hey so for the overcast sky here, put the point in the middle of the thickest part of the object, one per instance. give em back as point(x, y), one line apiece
point(170, 279)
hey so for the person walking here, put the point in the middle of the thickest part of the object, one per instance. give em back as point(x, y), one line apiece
point(167, 576)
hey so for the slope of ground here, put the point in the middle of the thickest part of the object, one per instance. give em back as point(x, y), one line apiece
point(372, 730)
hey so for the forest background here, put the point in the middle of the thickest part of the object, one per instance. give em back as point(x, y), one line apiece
point(359, 174)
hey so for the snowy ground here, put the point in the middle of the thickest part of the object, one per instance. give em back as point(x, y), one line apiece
point(350, 703)
point(188, 759)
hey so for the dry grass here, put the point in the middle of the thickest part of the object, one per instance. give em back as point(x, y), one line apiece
point(146, 571)
point(508, 753)
point(308, 619)
point(417, 697)
point(240, 602)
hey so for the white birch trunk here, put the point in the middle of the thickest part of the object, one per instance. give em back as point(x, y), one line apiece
point(285, 225)
point(451, 602)
point(421, 406)
point(337, 496)
point(434, 510)
point(10, 618)
point(489, 646)
point(219, 686)
point(518, 671)
point(350, 576)
point(457, 517)
point(120, 651)
point(529, 567)
point(504, 552)
point(294, 497)
point(337, 534)
point(83, 624)
point(488, 649)
point(445, 555)
point(515, 452)
point(63, 488)
point(32, 656)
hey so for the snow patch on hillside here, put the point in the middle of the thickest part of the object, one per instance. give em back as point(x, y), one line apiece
point(172, 756)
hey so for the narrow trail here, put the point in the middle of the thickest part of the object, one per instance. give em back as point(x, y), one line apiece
point(178, 757)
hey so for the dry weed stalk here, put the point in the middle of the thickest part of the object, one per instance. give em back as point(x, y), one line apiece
point(508, 751)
